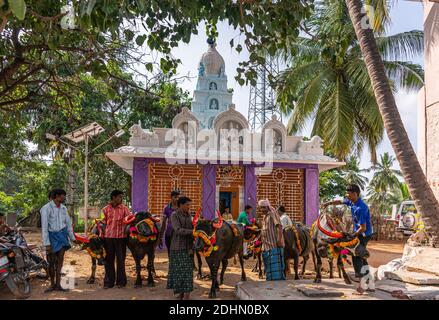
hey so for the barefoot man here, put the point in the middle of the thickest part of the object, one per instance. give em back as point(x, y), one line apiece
point(57, 232)
point(272, 242)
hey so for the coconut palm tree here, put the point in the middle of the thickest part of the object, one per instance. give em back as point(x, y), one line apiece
point(425, 201)
point(327, 80)
point(352, 173)
point(386, 178)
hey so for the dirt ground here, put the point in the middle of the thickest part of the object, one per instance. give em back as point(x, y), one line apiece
point(79, 264)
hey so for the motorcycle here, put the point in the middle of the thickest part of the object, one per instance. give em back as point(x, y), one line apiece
point(18, 261)
point(13, 271)
point(33, 255)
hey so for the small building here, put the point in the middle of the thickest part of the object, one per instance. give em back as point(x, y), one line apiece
point(211, 156)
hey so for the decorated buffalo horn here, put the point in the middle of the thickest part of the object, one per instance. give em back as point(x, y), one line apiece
point(82, 239)
point(197, 215)
point(218, 224)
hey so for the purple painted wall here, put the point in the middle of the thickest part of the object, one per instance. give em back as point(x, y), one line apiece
point(209, 191)
point(140, 184)
point(250, 188)
point(311, 195)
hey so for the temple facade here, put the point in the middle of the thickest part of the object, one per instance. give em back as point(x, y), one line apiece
point(211, 156)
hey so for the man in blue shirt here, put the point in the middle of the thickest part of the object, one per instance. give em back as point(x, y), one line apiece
point(362, 224)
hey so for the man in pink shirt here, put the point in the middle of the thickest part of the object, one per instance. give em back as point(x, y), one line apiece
point(115, 241)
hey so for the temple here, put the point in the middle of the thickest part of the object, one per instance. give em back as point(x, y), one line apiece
point(211, 156)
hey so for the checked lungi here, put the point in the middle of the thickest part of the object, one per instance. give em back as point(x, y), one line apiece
point(180, 276)
point(274, 264)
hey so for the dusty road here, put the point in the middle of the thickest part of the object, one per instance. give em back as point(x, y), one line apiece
point(79, 262)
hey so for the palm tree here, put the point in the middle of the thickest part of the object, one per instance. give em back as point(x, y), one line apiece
point(327, 80)
point(381, 201)
point(425, 201)
point(385, 177)
point(352, 173)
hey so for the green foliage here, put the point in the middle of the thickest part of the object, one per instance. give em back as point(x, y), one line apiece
point(385, 178)
point(18, 8)
point(385, 189)
point(44, 57)
point(327, 82)
point(352, 173)
point(25, 186)
point(115, 105)
point(332, 185)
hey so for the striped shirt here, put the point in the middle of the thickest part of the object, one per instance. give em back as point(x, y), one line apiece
point(113, 219)
point(269, 235)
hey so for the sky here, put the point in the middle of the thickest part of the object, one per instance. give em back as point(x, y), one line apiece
point(405, 16)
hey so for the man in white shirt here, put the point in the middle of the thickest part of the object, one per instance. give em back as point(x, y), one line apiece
point(57, 232)
point(285, 220)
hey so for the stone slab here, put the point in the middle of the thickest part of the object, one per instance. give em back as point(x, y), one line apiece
point(422, 259)
point(413, 277)
point(404, 290)
point(289, 290)
point(318, 291)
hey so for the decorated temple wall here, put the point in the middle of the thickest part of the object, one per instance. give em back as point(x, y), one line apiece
point(285, 187)
point(163, 178)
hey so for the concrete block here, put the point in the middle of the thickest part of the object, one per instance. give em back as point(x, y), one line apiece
point(413, 277)
point(318, 291)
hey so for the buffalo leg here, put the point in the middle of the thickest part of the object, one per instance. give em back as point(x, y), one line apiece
point(287, 266)
point(225, 262)
point(296, 265)
point(331, 267)
point(305, 260)
point(313, 259)
point(200, 273)
point(138, 282)
point(318, 277)
point(340, 265)
point(150, 267)
point(260, 267)
point(241, 262)
point(92, 278)
point(255, 268)
point(213, 266)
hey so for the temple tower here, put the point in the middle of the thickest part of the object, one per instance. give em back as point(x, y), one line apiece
point(211, 95)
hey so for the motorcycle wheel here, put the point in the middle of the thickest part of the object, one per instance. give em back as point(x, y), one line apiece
point(19, 287)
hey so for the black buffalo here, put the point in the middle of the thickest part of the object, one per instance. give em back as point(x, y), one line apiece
point(328, 231)
point(298, 243)
point(143, 233)
point(227, 246)
point(94, 245)
point(252, 235)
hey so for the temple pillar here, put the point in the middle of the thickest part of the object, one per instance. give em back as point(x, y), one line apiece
point(140, 185)
point(209, 191)
point(250, 182)
point(311, 195)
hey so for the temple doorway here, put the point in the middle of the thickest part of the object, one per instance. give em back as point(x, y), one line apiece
point(229, 198)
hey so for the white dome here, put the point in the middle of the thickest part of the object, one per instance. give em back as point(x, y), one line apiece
point(212, 61)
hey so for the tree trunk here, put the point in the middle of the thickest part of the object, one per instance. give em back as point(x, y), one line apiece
point(419, 188)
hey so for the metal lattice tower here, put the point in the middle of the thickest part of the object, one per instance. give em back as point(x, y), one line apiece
point(262, 102)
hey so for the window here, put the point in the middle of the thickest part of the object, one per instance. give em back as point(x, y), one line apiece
point(277, 141)
point(214, 104)
point(213, 86)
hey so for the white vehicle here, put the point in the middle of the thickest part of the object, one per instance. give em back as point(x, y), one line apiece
point(409, 220)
